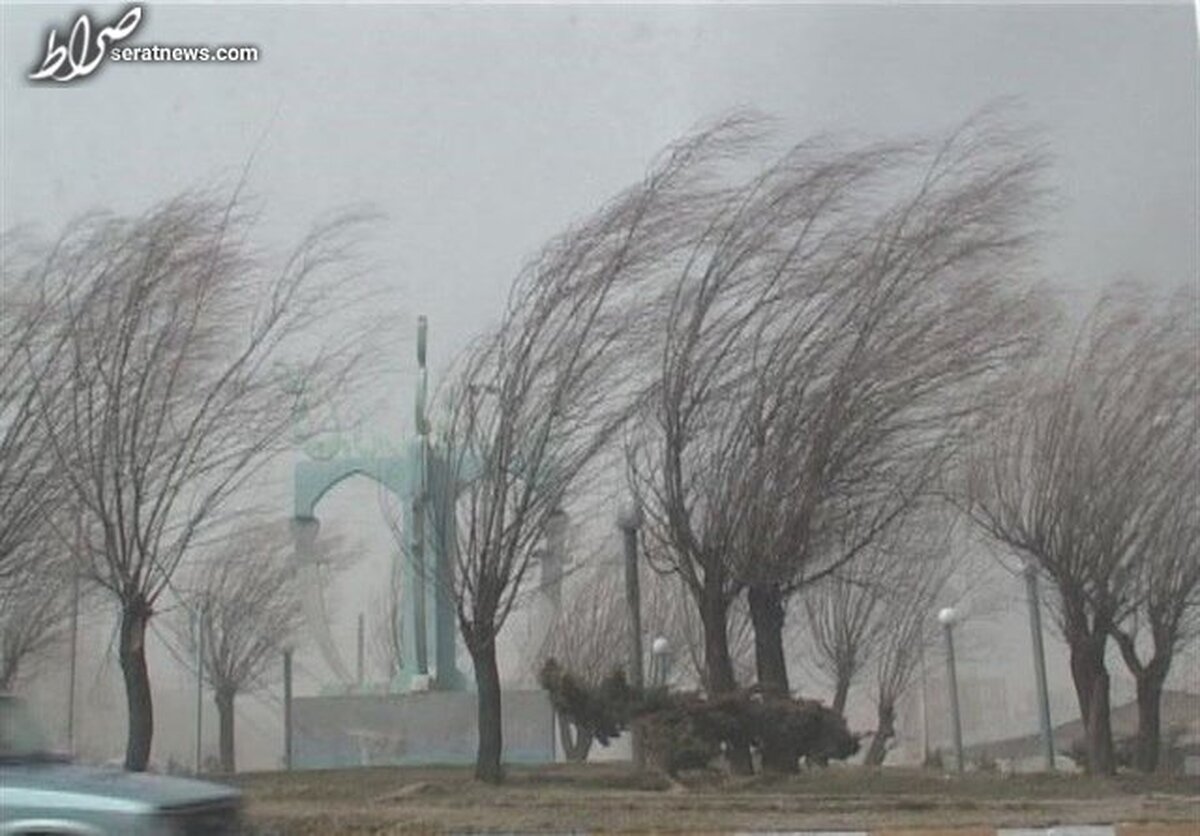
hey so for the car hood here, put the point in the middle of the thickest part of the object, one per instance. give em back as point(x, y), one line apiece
point(156, 791)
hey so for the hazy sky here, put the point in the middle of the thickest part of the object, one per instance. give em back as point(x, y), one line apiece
point(480, 131)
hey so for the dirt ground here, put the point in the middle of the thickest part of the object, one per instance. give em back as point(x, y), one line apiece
point(607, 797)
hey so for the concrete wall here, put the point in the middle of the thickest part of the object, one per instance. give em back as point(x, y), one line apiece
point(434, 727)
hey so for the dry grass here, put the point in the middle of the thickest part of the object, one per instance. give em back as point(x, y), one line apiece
point(595, 797)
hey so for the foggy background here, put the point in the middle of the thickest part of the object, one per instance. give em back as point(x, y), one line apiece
point(481, 131)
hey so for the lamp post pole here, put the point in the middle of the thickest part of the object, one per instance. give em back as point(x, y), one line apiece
point(287, 708)
point(1039, 662)
point(947, 618)
point(199, 620)
point(629, 520)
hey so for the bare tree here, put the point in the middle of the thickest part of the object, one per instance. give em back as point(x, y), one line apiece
point(1082, 479)
point(917, 582)
point(1166, 574)
point(242, 604)
point(180, 359)
point(535, 404)
point(580, 639)
point(832, 335)
point(29, 313)
point(700, 458)
point(842, 616)
point(879, 399)
point(35, 607)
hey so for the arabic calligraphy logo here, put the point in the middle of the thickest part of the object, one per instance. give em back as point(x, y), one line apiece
point(80, 55)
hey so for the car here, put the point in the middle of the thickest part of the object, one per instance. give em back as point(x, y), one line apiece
point(44, 793)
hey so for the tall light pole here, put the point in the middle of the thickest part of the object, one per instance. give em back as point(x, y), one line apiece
point(287, 708)
point(947, 617)
point(1029, 570)
point(199, 620)
point(629, 520)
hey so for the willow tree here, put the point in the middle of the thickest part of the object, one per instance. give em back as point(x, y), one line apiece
point(702, 458)
point(534, 405)
point(1092, 477)
point(933, 315)
point(841, 325)
point(30, 497)
point(179, 359)
point(241, 607)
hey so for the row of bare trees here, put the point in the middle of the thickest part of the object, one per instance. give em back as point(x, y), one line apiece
point(151, 367)
point(791, 365)
point(794, 365)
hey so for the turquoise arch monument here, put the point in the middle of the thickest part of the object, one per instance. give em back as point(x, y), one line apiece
point(418, 477)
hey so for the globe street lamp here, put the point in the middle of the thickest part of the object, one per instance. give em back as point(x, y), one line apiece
point(947, 617)
point(1029, 570)
point(660, 661)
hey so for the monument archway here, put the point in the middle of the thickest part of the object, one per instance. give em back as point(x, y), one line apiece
point(416, 477)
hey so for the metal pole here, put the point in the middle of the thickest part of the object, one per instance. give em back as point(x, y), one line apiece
point(287, 709)
point(74, 656)
point(633, 600)
point(199, 684)
point(954, 713)
point(1039, 663)
point(361, 632)
point(924, 710)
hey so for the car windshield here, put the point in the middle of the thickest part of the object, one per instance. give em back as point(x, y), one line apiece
point(21, 737)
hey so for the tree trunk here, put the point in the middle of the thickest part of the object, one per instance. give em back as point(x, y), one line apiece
point(718, 666)
point(1092, 688)
point(767, 613)
point(841, 692)
point(1149, 731)
point(885, 730)
point(487, 682)
point(132, 650)
point(224, 699)
point(575, 748)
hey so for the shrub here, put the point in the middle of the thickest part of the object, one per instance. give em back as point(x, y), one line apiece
point(689, 731)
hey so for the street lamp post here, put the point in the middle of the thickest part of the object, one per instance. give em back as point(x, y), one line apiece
point(629, 520)
point(1029, 570)
point(947, 617)
point(199, 625)
point(287, 708)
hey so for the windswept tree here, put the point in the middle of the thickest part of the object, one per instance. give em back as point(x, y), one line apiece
point(581, 640)
point(884, 390)
point(1088, 478)
point(178, 359)
point(918, 582)
point(35, 607)
point(1159, 348)
point(535, 404)
point(29, 316)
point(872, 618)
point(836, 332)
point(240, 605)
point(701, 458)
point(844, 629)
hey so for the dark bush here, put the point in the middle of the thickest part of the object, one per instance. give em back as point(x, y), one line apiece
point(689, 731)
